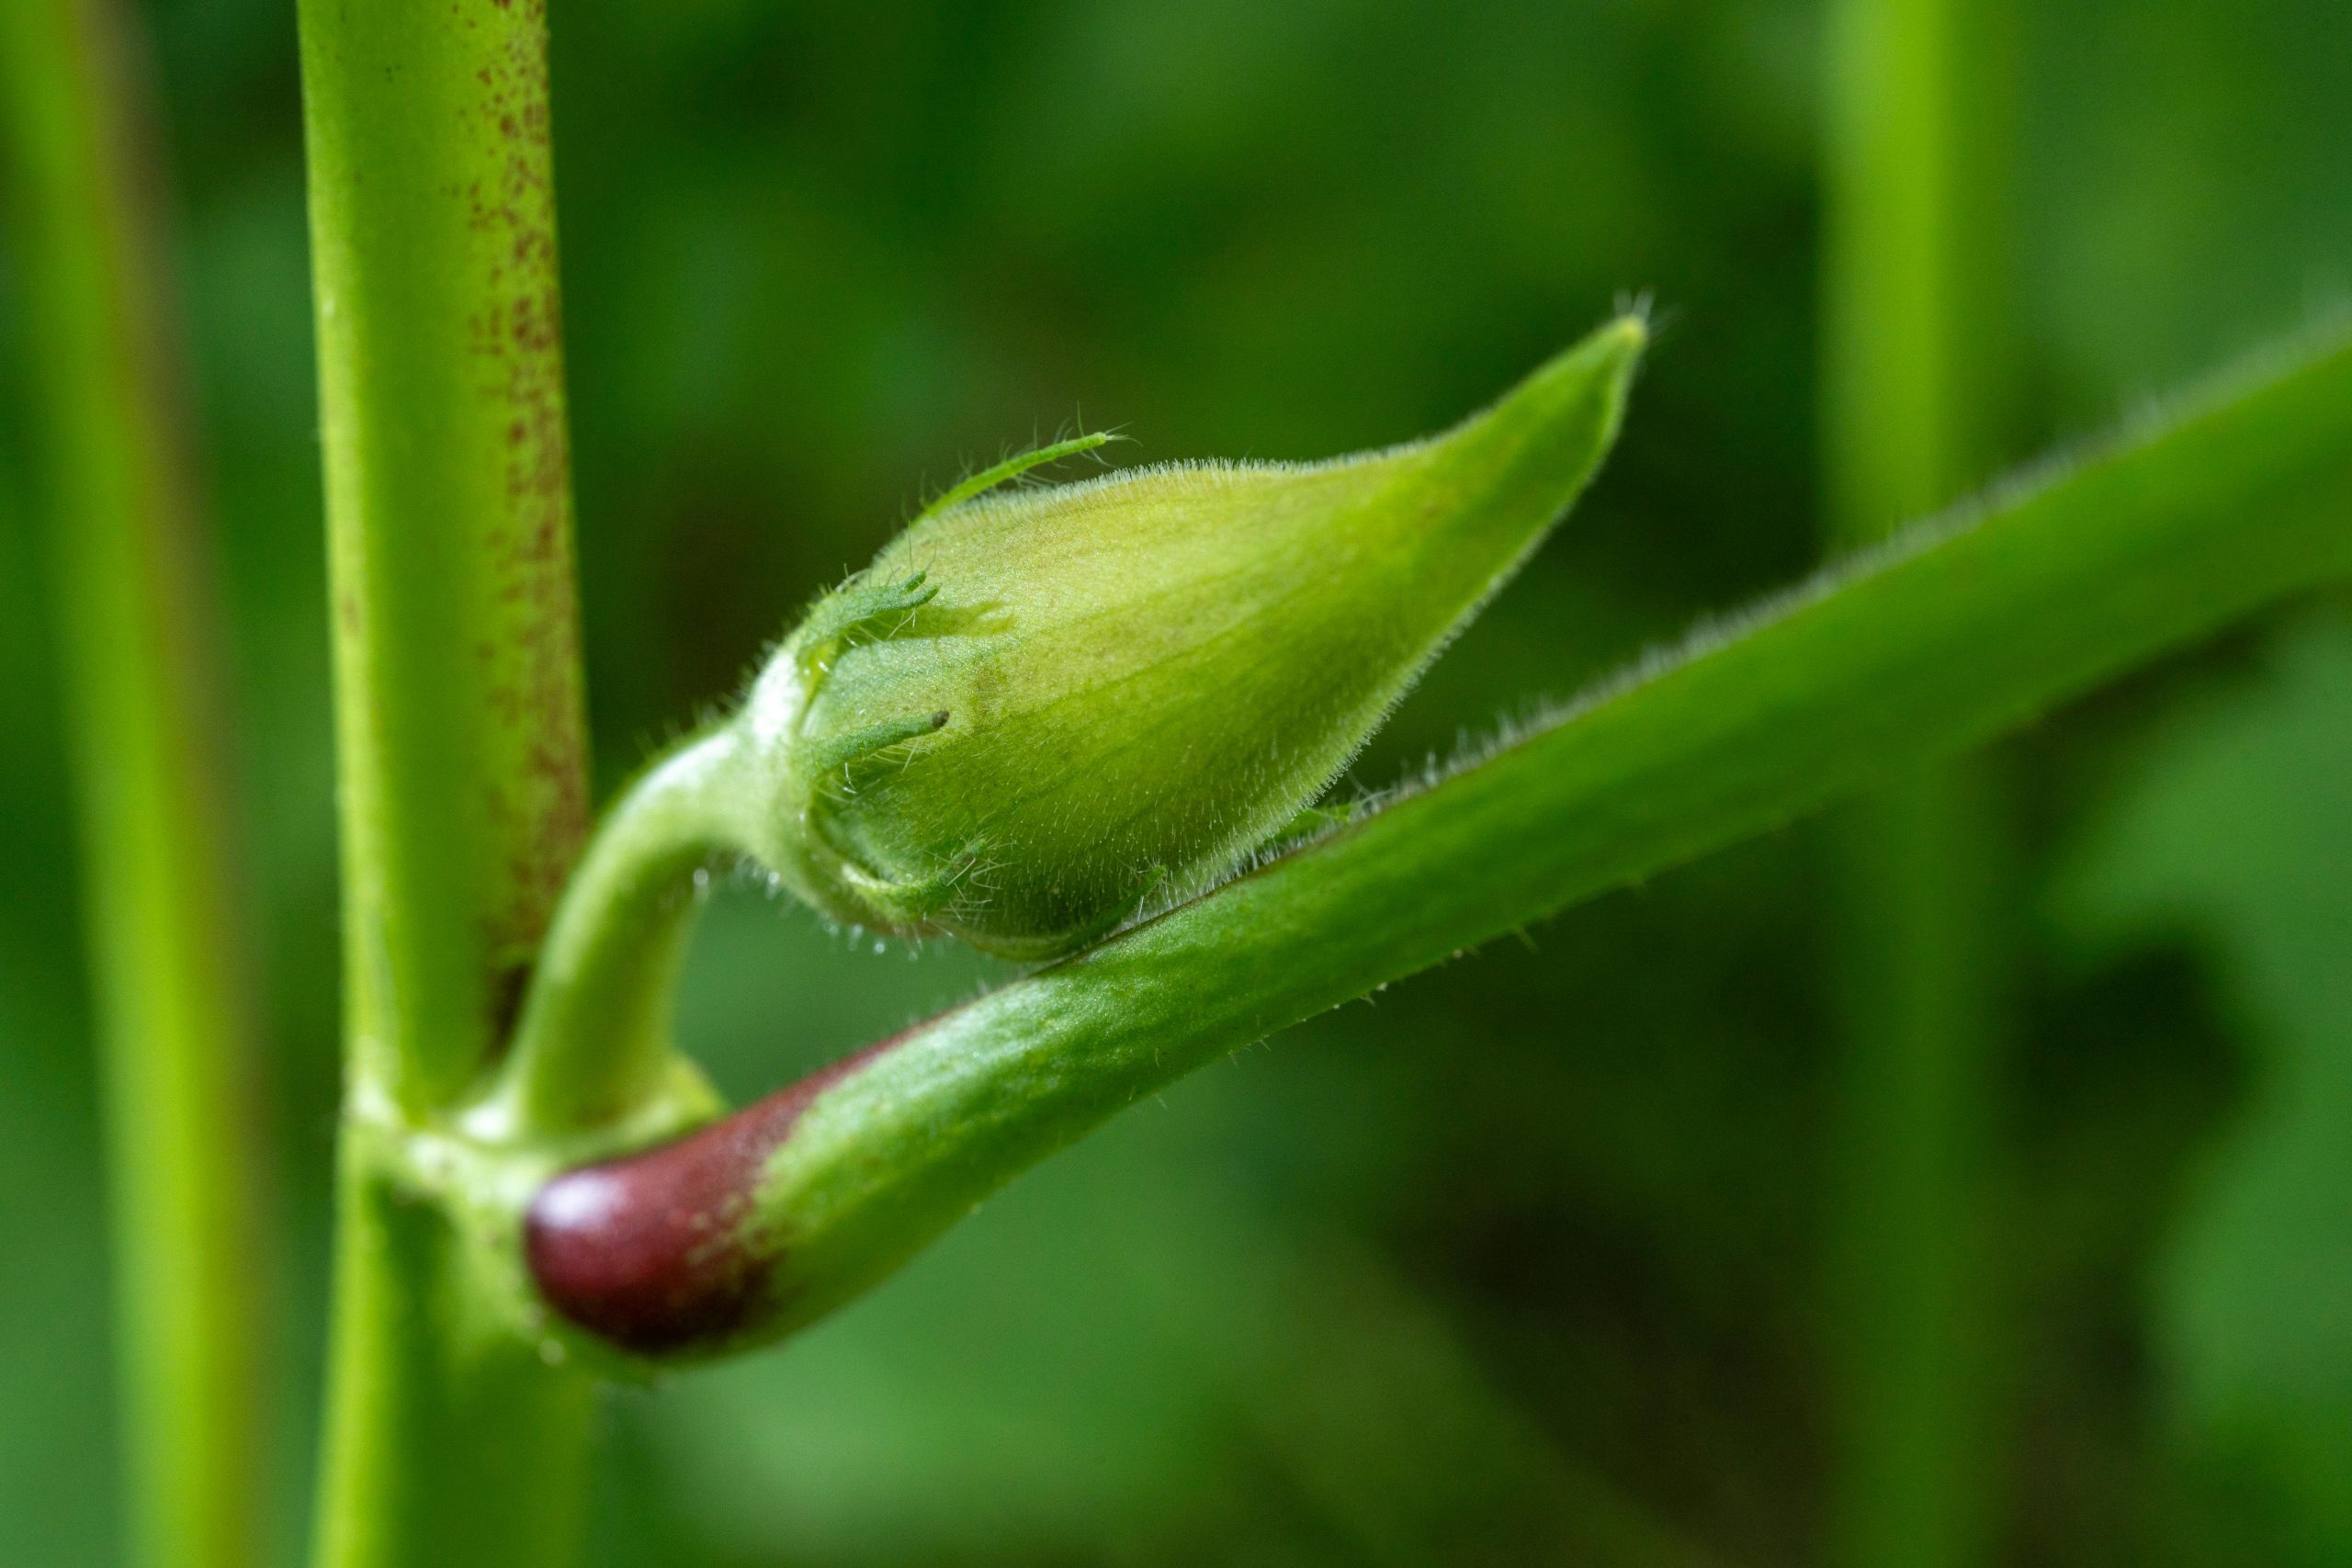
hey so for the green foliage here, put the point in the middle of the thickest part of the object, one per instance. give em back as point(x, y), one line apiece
point(2230, 830)
point(1055, 1374)
point(1956, 631)
point(816, 253)
point(1203, 649)
point(128, 585)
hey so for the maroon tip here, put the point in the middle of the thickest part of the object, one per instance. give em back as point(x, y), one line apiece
point(656, 1252)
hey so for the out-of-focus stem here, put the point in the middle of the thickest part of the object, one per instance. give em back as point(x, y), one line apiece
point(459, 735)
point(1914, 385)
point(132, 587)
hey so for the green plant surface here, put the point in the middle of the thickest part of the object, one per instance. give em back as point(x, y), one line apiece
point(2229, 828)
point(130, 591)
point(460, 724)
point(1198, 649)
point(459, 734)
point(817, 261)
point(1951, 633)
point(1382, 1419)
point(1915, 389)
point(1916, 377)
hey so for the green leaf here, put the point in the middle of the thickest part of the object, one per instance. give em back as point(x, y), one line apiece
point(2236, 828)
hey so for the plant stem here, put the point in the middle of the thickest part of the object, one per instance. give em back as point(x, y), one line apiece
point(1913, 383)
point(1952, 634)
point(145, 693)
point(594, 1043)
point(459, 732)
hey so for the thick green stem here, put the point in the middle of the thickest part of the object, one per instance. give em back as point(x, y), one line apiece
point(132, 587)
point(459, 734)
point(1914, 391)
point(451, 1440)
point(1957, 631)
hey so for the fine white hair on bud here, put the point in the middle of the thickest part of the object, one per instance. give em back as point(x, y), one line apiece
point(1039, 707)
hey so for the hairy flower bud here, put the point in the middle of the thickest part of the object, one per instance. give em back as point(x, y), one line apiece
point(1038, 706)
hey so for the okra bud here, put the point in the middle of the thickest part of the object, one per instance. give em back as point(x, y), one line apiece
point(1039, 707)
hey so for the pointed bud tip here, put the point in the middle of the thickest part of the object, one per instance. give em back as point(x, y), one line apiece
point(1557, 401)
point(1622, 343)
point(1601, 363)
point(1514, 467)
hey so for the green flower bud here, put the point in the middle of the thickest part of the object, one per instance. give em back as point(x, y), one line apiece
point(1038, 706)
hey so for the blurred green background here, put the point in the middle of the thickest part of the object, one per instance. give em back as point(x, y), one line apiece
point(1523, 1260)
